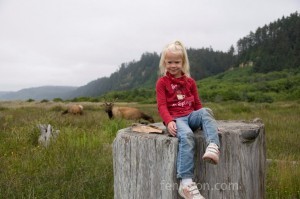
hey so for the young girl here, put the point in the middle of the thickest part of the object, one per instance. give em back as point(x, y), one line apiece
point(181, 111)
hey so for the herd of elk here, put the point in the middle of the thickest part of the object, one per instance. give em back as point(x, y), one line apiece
point(128, 113)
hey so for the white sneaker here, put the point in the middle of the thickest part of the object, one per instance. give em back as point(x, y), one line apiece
point(211, 154)
point(190, 192)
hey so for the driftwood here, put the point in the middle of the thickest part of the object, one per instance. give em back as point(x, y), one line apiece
point(47, 134)
point(145, 164)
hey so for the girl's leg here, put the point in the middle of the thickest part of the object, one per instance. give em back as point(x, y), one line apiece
point(186, 149)
point(204, 118)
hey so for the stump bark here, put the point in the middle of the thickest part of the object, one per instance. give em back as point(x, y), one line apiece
point(145, 164)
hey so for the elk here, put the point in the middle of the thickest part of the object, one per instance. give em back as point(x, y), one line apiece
point(128, 113)
point(74, 109)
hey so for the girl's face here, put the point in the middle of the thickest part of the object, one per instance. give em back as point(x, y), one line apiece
point(174, 63)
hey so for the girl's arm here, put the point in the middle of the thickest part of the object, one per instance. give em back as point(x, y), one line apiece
point(162, 102)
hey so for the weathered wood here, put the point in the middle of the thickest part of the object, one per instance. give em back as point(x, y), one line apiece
point(47, 134)
point(145, 164)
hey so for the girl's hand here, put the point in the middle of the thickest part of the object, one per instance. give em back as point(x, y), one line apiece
point(172, 128)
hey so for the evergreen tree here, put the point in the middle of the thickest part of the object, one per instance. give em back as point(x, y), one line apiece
point(273, 47)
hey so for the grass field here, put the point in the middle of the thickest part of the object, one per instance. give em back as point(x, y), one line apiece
point(78, 164)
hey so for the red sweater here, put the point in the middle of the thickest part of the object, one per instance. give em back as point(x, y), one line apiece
point(176, 97)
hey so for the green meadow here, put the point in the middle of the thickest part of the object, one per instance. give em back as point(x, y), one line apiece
point(78, 164)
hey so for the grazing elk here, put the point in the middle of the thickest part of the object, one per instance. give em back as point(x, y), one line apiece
point(128, 113)
point(74, 109)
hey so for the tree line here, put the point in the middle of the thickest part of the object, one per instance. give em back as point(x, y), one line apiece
point(273, 47)
point(144, 72)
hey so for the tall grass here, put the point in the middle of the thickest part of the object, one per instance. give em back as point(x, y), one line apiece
point(78, 164)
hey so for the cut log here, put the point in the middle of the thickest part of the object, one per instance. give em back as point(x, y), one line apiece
point(145, 164)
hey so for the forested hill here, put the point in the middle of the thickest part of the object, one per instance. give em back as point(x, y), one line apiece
point(273, 47)
point(144, 73)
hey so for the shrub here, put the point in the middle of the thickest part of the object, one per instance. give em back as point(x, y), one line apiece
point(57, 100)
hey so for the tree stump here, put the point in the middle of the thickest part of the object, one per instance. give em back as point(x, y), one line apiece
point(47, 134)
point(145, 164)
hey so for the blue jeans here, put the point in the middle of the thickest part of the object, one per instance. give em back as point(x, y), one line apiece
point(186, 148)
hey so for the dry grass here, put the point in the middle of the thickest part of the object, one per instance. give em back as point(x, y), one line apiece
point(79, 163)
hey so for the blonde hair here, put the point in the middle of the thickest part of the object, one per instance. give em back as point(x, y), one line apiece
point(175, 47)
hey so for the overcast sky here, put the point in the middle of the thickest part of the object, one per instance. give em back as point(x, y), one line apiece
point(73, 42)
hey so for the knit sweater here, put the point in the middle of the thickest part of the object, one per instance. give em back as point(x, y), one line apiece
point(176, 97)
